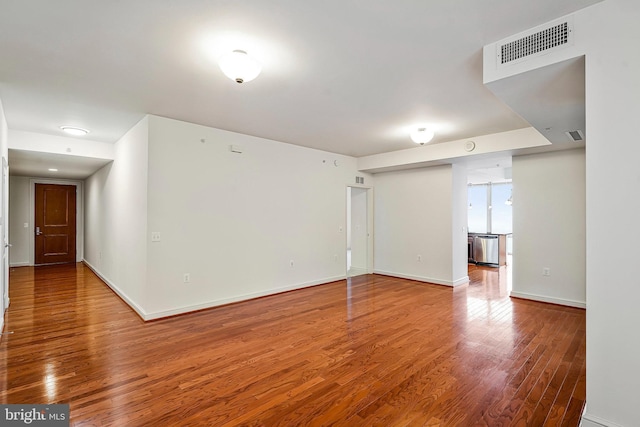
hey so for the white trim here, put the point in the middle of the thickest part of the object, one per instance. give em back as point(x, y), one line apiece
point(245, 297)
point(453, 284)
point(461, 281)
point(593, 421)
point(1, 324)
point(356, 271)
point(210, 304)
point(552, 300)
point(4, 252)
point(79, 213)
point(370, 227)
point(117, 290)
point(19, 264)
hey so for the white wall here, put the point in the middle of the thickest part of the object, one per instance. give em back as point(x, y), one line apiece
point(348, 229)
point(435, 154)
point(19, 214)
point(4, 274)
point(22, 252)
point(413, 216)
point(234, 222)
point(607, 34)
point(549, 227)
point(39, 142)
point(613, 203)
point(459, 224)
point(359, 240)
point(116, 217)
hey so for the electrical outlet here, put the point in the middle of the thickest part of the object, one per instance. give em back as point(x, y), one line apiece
point(419, 258)
point(186, 278)
point(155, 236)
point(546, 271)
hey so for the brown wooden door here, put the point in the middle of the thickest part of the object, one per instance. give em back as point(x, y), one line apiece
point(55, 224)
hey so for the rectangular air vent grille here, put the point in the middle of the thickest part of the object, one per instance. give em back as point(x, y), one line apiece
point(575, 135)
point(541, 41)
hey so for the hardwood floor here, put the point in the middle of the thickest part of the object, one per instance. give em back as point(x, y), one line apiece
point(374, 350)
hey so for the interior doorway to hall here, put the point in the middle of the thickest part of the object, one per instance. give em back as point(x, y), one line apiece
point(490, 219)
point(358, 235)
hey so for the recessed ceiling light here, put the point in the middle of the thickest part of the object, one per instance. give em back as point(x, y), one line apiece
point(53, 170)
point(74, 130)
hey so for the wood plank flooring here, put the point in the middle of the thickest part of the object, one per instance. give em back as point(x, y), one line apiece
point(370, 351)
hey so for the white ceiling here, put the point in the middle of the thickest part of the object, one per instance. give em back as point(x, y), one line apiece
point(28, 163)
point(494, 169)
point(344, 76)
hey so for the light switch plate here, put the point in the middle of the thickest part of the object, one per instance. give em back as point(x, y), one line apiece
point(155, 236)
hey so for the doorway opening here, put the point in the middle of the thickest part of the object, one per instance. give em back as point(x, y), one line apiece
point(55, 224)
point(58, 244)
point(358, 231)
point(489, 215)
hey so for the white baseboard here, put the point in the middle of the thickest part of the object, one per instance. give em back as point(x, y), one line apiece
point(357, 271)
point(209, 304)
point(461, 281)
point(593, 421)
point(245, 297)
point(117, 290)
point(552, 300)
point(19, 264)
point(449, 283)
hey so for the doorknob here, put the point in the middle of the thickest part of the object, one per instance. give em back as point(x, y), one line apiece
point(38, 232)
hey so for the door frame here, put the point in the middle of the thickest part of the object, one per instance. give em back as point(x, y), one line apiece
point(370, 228)
point(79, 214)
point(4, 251)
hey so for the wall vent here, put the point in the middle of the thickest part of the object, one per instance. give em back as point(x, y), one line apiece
point(575, 135)
point(536, 42)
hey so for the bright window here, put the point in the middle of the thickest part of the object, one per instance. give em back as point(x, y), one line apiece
point(500, 209)
point(490, 208)
point(477, 198)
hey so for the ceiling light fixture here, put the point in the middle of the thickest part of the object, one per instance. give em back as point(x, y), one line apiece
point(74, 130)
point(422, 135)
point(239, 66)
point(53, 170)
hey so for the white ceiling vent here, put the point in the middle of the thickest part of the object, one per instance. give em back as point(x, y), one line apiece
point(535, 42)
point(575, 135)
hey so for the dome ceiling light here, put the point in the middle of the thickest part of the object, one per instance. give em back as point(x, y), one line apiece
point(422, 135)
point(74, 130)
point(239, 66)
